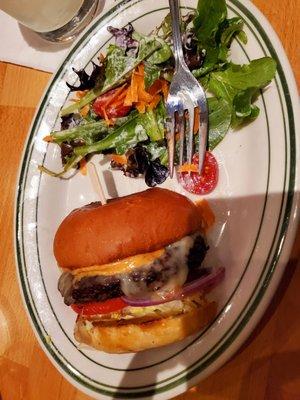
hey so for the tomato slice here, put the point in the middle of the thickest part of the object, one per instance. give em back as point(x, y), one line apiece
point(99, 307)
point(114, 110)
point(205, 182)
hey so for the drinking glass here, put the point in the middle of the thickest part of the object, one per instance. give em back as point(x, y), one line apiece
point(54, 20)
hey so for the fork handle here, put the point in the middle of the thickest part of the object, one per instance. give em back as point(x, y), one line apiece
point(177, 43)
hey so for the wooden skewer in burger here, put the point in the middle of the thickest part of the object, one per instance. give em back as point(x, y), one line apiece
point(132, 271)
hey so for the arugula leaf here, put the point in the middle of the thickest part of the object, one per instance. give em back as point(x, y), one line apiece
point(258, 73)
point(166, 26)
point(238, 121)
point(149, 121)
point(161, 55)
point(148, 45)
point(156, 150)
point(137, 128)
point(160, 116)
point(219, 120)
point(211, 62)
point(221, 89)
point(116, 63)
point(215, 34)
point(126, 135)
point(152, 73)
point(239, 85)
point(242, 102)
point(89, 132)
point(242, 37)
point(229, 29)
point(164, 158)
point(119, 64)
point(210, 14)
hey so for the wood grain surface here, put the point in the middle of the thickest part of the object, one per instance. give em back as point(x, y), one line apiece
point(268, 364)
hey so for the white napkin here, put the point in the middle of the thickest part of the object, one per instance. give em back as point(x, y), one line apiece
point(20, 45)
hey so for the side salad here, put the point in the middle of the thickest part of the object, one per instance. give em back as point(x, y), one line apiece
point(119, 108)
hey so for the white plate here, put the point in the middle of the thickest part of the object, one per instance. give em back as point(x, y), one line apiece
point(255, 207)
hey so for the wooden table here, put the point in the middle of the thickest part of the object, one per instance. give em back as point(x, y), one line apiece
point(266, 367)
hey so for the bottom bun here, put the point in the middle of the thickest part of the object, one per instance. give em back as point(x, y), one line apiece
point(131, 338)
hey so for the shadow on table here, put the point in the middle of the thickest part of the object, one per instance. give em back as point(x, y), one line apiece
point(37, 42)
point(241, 211)
point(152, 373)
point(34, 40)
point(279, 294)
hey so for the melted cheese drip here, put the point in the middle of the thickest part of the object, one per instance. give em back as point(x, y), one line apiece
point(118, 267)
point(177, 257)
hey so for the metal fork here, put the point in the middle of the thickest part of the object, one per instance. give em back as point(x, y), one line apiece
point(185, 95)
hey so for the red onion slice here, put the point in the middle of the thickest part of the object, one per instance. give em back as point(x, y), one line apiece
point(205, 283)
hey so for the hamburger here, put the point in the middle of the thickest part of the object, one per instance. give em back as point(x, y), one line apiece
point(132, 271)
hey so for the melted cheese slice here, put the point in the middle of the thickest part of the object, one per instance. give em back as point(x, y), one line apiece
point(118, 267)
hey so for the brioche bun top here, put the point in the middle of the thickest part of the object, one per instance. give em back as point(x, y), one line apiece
point(139, 223)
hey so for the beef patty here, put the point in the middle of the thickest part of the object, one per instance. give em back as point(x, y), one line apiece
point(180, 262)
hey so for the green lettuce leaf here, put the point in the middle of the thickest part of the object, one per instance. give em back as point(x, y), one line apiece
point(152, 73)
point(258, 73)
point(219, 120)
point(230, 29)
point(239, 85)
point(242, 102)
point(210, 14)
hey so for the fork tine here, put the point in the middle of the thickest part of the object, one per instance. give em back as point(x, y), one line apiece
point(180, 124)
point(202, 136)
point(171, 142)
point(190, 134)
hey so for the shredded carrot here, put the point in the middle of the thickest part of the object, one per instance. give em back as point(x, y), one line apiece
point(155, 87)
point(154, 101)
point(160, 85)
point(115, 96)
point(84, 110)
point(143, 95)
point(132, 94)
point(141, 107)
point(107, 120)
point(165, 88)
point(82, 166)
point(80, 93)
point(101, 57)
point(119, 159)
point(188, 168)
point(122, 95)
point(138, 96)
point(206, 214)
point(48, 139)
point(196, 120)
